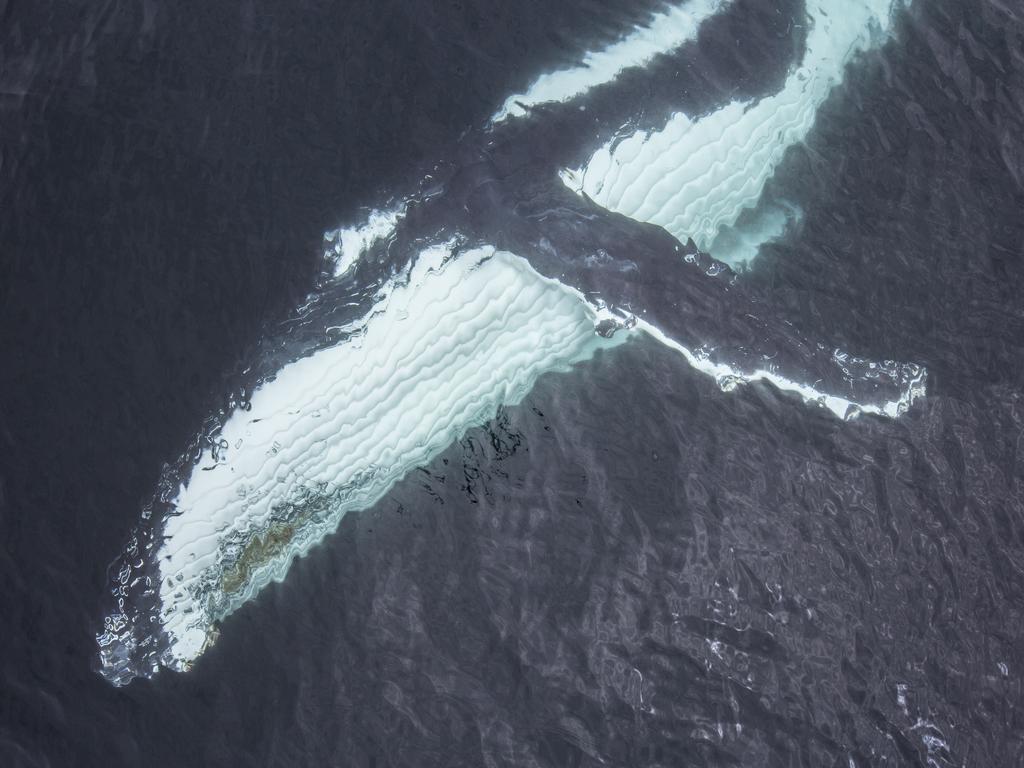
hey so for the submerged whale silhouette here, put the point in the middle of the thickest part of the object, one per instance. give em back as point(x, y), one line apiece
point(502, 265)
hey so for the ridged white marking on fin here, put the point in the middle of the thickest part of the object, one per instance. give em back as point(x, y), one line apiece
point(332, 432)
point(696, 176)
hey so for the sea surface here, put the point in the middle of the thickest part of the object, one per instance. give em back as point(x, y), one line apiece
point(629, 567)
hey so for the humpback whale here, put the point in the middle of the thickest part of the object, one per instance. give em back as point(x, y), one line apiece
point(500, 264)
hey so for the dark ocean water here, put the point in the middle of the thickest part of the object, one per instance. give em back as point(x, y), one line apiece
point(631, 567)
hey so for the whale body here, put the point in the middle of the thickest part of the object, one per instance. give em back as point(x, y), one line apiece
point(499, 268)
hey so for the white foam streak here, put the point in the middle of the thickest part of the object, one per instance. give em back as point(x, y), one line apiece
point(695, 177)
point(350, 243)
point(664, 33)
point(728, 378)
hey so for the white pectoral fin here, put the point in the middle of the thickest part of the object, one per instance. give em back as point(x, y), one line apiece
point(696, 176)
